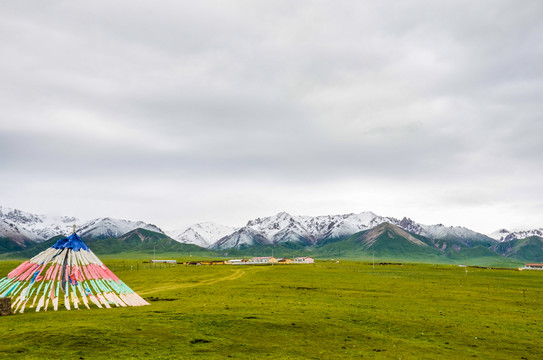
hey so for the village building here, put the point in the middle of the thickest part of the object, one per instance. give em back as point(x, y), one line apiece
point(303, 260)
point(237, 261)
point(213, 262)
point(533, 267)
point(207, 262)
point(262, 260)
point(164, 261)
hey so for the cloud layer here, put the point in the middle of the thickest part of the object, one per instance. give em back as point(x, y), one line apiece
point(180, 112)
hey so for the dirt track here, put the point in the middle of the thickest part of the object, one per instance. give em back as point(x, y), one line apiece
point(236, 274)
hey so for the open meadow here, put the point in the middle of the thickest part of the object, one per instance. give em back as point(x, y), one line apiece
point(323, 311)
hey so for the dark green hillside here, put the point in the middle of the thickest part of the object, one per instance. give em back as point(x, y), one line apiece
point(144, 241)
point(455, 248)
point(476, 251)
point(8, 245)
point(529, 249)
point(479, 254)
point(389, 242)
point(454, 245)
point(383, 241)
point(136, 241)
point(32, 249)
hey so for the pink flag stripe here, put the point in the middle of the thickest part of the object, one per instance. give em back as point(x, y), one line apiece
point(54, 273)
point(19, 269)
point(28, 275)
point(49, 272)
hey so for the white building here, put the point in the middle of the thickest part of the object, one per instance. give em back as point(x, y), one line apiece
point(533, 267)
point(237, 261)
point(303, 260)
point(262, 260)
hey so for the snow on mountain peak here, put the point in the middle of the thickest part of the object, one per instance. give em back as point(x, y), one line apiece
point(35, 227)
point(202, 234)
point(17, 224)
point(506, 235)
point(279, 228)
point(102, 228)
point(243, 237)
point(284, 227)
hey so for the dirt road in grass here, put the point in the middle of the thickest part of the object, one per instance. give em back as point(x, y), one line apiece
point(236, 274)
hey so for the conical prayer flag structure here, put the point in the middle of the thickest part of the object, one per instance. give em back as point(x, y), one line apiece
point(68, 271)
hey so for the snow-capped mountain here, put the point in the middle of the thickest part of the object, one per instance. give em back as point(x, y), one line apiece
point(21, 226)
point(202, 234)
point(309, 230)
point(244, 237)
point(18, 237)
point(103, 228)
point(24, 225)
point(506, 235)
point(440, 231)
point(285, 227)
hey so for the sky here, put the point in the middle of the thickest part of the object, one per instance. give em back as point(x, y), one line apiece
point(177, 112)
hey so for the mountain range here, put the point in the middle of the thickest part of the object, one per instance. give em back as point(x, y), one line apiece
point(348, 234)
point(308, 230)
point(202, 234)
point(20, 229)
point(506, 235)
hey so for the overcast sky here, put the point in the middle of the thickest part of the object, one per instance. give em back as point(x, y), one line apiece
point(181, 112)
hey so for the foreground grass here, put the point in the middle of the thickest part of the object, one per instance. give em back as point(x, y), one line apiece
point(326, 310)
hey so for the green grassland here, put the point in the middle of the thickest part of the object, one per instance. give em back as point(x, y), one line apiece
point(324, 311)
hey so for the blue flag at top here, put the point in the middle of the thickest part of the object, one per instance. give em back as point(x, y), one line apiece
point(73, 242)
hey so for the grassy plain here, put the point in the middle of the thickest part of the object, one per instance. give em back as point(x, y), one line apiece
point(322, 311)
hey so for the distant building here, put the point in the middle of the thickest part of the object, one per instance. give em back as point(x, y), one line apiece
point(213, 262)
point(164, 261)
point(303, 260)
point(262, 260)
point(237, 261)
point(533, 267)
point(207, 262)
point(284, 261)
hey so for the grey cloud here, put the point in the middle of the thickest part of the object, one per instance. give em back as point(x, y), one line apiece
point(440, 93)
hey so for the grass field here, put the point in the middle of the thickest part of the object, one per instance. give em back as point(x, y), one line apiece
point(321, 311)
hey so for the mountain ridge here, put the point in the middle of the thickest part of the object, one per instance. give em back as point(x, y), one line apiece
point(19, 230)
point(309, 230)
point(504, 235)
point(23, 228)
point(203, 234)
